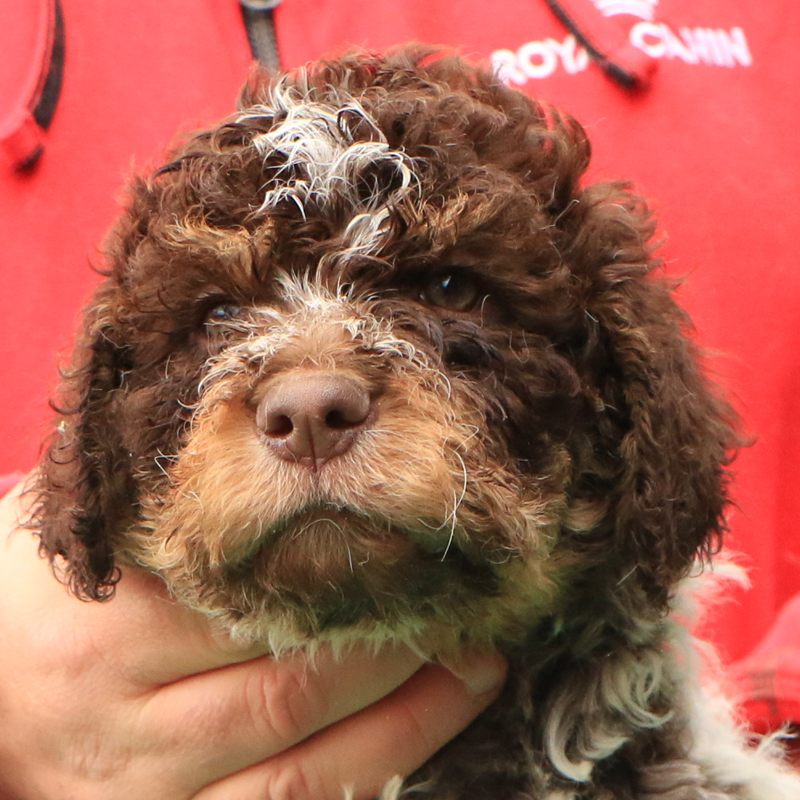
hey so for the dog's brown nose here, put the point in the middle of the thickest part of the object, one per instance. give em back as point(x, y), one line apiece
point(310, 418)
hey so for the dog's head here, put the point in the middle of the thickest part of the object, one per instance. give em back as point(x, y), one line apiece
point(369, 358)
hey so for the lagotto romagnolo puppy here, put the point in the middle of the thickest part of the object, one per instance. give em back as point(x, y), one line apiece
point(371, 363)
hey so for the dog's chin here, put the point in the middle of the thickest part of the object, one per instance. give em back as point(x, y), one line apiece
point(331, 573)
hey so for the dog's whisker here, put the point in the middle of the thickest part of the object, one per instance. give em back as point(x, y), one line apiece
point(161, 456)
point(458, 500)
point(450, 540)
point(482, 309)
point(311, 524)
point(627, 575)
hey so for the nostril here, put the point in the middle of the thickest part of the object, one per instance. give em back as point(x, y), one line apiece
point(340, 420)
point(279, 426)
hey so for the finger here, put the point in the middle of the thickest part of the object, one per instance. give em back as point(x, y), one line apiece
point(395, 736)
point(171, 640)
point(223, 721)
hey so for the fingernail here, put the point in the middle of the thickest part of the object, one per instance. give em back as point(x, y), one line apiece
point(481, 671)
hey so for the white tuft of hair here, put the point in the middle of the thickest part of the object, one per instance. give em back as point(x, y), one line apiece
point(721, 744)
point(323, 159)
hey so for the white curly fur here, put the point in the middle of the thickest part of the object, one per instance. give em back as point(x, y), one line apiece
point(317, 141)
point(721, 743)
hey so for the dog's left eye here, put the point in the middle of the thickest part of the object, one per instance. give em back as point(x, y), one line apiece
point(455, 291)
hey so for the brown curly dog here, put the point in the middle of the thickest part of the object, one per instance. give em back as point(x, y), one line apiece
point(371, 363)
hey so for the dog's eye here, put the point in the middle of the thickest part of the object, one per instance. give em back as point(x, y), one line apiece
point(221, 313)
point(456, 291)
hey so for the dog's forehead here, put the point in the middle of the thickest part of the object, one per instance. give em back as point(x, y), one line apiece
point(378, 183)
point(330, 158)
point(326, 150)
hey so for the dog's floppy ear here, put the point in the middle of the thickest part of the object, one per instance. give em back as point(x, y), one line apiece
point(669, 435)
point(84, 486)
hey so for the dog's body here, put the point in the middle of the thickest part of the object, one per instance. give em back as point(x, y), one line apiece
point(370, 364)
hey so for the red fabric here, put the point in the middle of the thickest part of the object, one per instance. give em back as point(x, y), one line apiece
point(713, 140)
point(134, 75)
point(8, 482)
point(27, 46)
point(768, 680)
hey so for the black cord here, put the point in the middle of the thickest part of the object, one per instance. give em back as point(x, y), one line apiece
point(259, 20)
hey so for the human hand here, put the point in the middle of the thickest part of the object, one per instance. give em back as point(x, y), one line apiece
point(138, 698)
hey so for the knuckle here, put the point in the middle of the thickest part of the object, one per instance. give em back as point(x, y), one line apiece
point(416, 729)
point(294, 782)
point(285, 704)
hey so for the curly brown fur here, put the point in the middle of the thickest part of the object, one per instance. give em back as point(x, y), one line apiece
point(542, 459)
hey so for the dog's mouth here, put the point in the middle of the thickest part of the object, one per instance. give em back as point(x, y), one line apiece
point(353, 566)
point(321, 522)
point(335, 566)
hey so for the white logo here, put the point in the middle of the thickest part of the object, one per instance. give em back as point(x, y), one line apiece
point(644, 9)
point(693, 45)
point(541, 58)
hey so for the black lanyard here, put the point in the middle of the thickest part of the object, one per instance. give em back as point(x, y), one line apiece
point(259, 20)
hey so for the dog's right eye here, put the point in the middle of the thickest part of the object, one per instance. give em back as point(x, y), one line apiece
point(222, 313)
point(219, 313)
